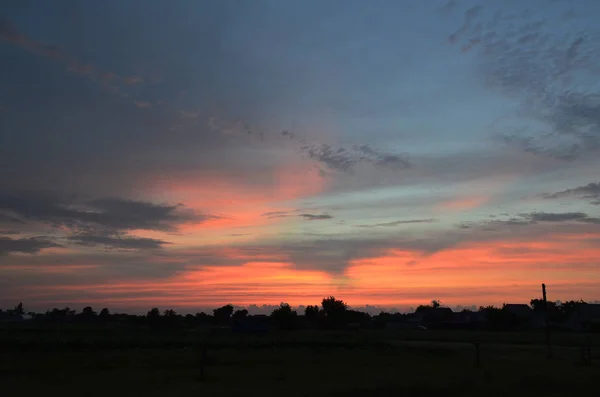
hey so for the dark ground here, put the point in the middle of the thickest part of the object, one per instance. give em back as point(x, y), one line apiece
point(436, 363)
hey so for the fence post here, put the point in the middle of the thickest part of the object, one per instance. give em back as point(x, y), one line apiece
point(589, 351)
point(202, 361)
point(586, 353)
point(477, 355)
point(546, 325)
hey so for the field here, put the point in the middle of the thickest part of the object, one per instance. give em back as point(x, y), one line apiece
point(112, 362)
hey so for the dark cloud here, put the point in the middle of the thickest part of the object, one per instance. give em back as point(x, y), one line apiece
point(105, 213)
point(6, 218)
point(313, 217)
point(526, 58)
point(525, 219)
point(307, 216)
point(334, 159)
point(494, 224)
point(130, 214)
point(103, 143)
point(345, 159)
point(397, 223)
point(10, 33)
point(556, 217)
point(591, 191)
point(276, 214)
point(29, 245)
point(97, 222)
point(117, 242)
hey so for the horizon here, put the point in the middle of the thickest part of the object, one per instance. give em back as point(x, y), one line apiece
point(254, 309)
point(200, 153)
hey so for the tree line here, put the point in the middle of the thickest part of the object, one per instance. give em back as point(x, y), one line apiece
point(332, 313)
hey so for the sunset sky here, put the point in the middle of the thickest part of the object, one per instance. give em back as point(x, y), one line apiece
point(190, 154)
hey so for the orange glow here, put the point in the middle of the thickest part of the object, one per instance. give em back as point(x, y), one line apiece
point(490, 189)
point(461, 204)
point(267, 282)
point(490, 266)
point(235, 203)
point(471, 273)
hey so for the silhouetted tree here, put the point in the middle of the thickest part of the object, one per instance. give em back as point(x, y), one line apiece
point(435, 304)
point(87, 315)
point(223, 314)
point(88, 311)
point(500, 319)
point(153, 313)
point(552, 309)
point(240, 314)
point(538, 305)
point(60, 314)
point(19, 309)
point(285, 316)
point(153, 317)
point(335, 311)
point(312, 313)
point(190, 319)
point(356, 317)
point(170, 313)
point(170, 318)
point(104, 314)
point(202, 318)
point(568, 308)
point(333, 307)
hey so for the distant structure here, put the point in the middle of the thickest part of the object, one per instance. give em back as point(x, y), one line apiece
point(520, 310)
point(586, 317)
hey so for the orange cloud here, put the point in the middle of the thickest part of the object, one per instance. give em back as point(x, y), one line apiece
point(467, 200)
point(471, 273)
point(506, 270)
point(265, 282)
point(237, 203)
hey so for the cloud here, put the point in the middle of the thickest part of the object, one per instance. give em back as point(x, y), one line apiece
point(591, 191)
point(10, 33)
point(117, 242)
point(397, 223)
point(391, 275)
point(556, 217)
point(6, 218)
point(335, 159)
point(532, 218)
point(313, 217)
point(528, 59)
point(109, 213)
point(29, 245)
point(276, 214)
point(343, 159)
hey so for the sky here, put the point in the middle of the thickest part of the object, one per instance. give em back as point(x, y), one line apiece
point(192, 154)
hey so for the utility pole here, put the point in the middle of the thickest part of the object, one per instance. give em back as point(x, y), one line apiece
point(549, 347)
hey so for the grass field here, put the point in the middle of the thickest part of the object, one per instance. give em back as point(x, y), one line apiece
point(303, 364)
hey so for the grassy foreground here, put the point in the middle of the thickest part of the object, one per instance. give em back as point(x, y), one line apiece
point(396, 367)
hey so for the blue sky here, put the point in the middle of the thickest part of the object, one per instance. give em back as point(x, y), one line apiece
point(145, 142)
